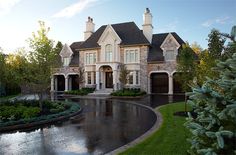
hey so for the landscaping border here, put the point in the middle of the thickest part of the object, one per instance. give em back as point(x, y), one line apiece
point(139, 139)
point(12, 128)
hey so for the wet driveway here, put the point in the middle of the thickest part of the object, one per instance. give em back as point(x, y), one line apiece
point(103, 126)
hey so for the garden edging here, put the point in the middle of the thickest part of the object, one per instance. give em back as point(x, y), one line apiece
point(35, 124)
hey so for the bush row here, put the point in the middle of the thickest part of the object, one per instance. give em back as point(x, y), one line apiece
point(129, 92)
point(16, 110)
point(83, 91)
point(73, 108)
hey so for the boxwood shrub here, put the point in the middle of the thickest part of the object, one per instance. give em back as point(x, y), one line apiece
point(129, 92)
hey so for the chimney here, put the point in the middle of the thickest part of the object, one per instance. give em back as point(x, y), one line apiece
point(147, 25)
point(89, 28)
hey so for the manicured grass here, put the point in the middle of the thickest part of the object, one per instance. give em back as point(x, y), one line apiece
point(170, 139)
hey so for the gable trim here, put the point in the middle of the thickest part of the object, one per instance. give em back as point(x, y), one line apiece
point(105, 32)
point(167, 38)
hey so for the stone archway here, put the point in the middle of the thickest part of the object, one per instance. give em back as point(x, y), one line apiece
point(106, 77)
point(59, 83)
point(73, 82)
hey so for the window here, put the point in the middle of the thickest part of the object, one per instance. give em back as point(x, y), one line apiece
point(90, 58)
point(66, 61)
point(94, 77)
point(137, 77)
point(170, 55)
point(131, 78)
point(131, 56)
point(108, 53)
point(89, 78)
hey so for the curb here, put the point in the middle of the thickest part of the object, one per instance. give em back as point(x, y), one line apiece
point(148, 133)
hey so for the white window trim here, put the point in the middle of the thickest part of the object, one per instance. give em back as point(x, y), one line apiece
point(90, 52)
point(129, 49)
point(111, 53)
point(134, 79)
point(68, 61)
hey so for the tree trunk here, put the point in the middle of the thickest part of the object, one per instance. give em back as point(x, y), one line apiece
point(41, 101)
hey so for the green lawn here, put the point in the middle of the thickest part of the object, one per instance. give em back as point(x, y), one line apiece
point(169, 139)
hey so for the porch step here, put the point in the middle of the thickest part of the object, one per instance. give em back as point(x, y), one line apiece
point(103, 92)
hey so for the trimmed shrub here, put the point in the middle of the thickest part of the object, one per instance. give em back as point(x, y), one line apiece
point(129, 92)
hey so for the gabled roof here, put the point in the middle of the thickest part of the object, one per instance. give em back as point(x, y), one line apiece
point(66, 51)
point(75, 57)
point(155, 52)
point(128, 32)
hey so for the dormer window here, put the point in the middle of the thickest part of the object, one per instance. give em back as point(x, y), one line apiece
point(108, 53)
point(170, 55)
point(66, 61)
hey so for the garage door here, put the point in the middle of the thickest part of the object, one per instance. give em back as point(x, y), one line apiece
point(159, 83)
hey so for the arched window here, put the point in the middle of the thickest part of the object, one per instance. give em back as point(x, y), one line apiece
point(108, 53)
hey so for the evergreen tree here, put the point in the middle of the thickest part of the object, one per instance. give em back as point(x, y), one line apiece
point(214, 128)
point(215, 44)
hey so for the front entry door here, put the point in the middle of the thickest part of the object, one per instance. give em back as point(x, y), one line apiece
point(109, 80)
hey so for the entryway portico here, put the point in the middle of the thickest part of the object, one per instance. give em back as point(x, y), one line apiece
point(107, 76)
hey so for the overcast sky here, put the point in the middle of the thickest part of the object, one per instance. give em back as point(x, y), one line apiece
point(191, 19)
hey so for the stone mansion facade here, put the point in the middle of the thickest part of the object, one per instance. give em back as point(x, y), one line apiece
point(150, 58)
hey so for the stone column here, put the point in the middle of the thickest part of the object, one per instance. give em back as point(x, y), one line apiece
point(70, 82)
point(102, 80)
point(149, 85)
point(66, 84)
point(56, 87)
point(134, 77)
point(52, 83)
point(97, 80)
point(170, 85)
point(114, 74)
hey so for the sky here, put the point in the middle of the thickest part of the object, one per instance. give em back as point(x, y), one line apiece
point(192, 20)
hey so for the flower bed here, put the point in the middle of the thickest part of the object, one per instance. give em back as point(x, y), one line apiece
point(27, 112)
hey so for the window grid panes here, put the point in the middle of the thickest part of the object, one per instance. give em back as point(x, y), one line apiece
point(108, 53)
point(89, 78)
point(132, 56)
point(131, 78)
point(90, 58)
point(66, 61)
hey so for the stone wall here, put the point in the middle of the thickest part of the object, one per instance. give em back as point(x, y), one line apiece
point(169, 67)
point(143, 68)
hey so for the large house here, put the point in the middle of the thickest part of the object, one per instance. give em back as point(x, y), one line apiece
point(150, 58)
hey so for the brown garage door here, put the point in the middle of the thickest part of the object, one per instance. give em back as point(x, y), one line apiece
point(159, 82)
